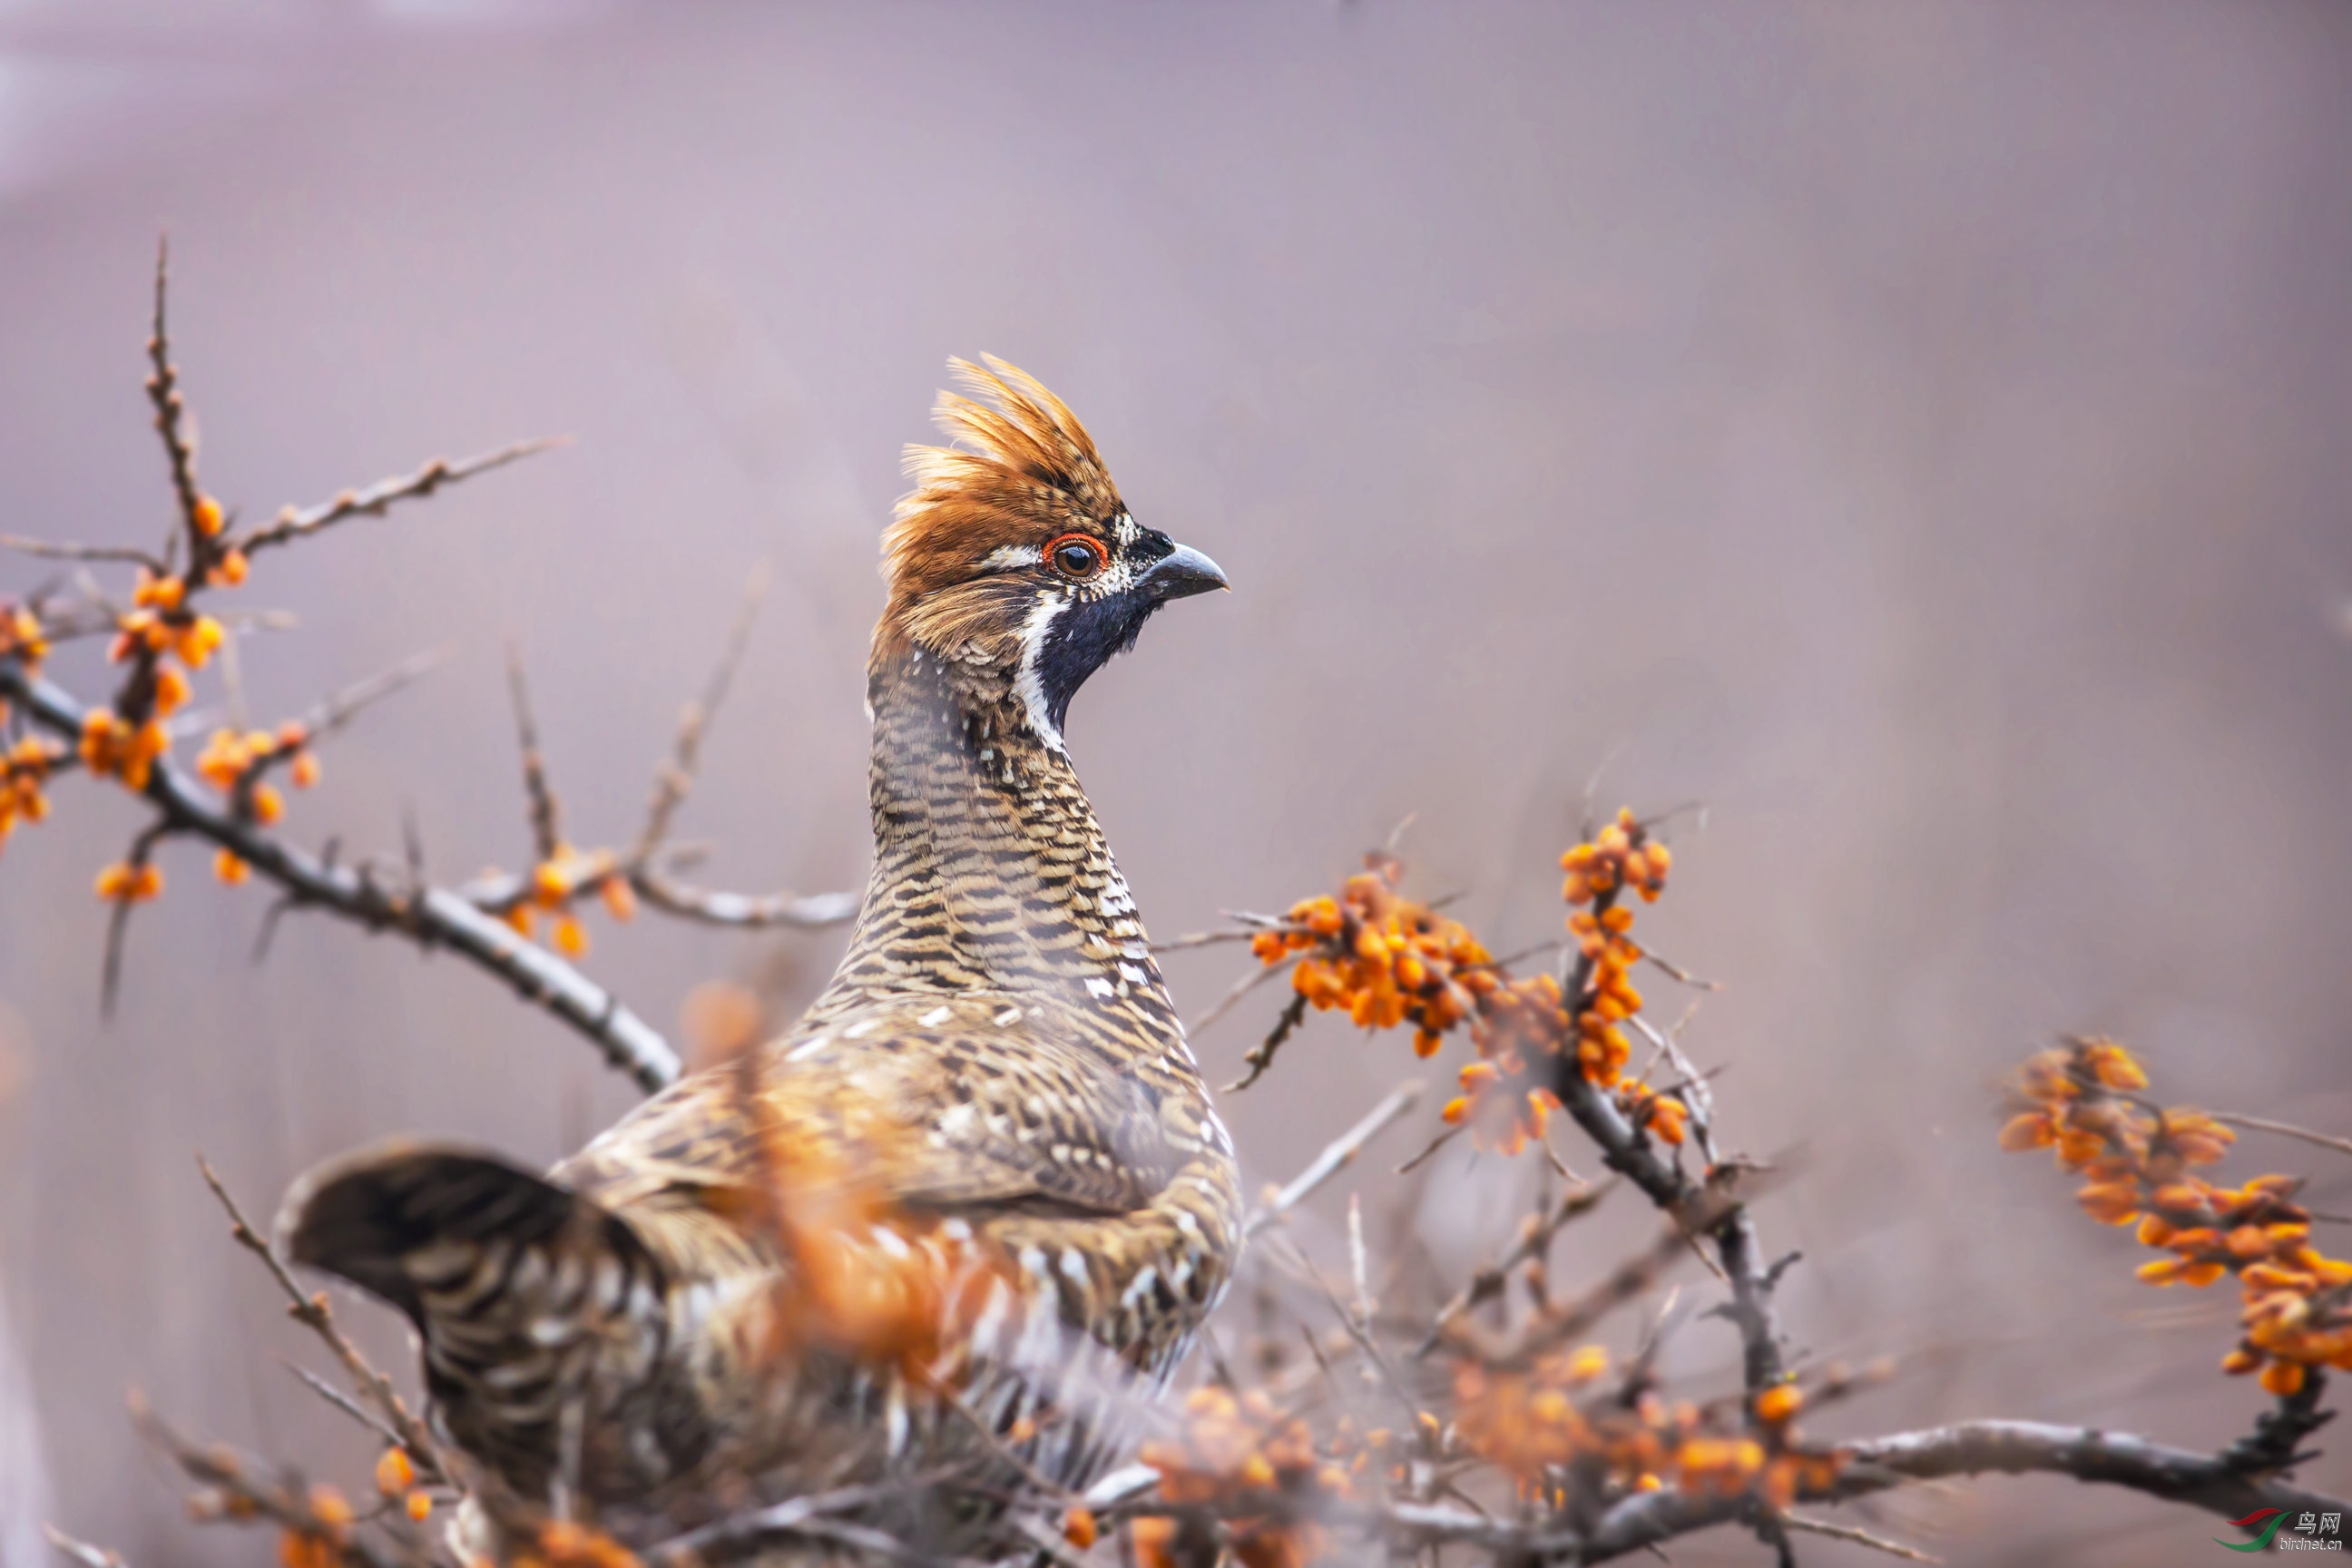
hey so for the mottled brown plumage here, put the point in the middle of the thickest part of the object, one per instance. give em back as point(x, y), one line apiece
point(995, 1083)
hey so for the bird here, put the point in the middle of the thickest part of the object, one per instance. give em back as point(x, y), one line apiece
point(963, 1217)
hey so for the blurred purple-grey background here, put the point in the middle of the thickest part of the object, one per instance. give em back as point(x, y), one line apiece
point(1918, 432)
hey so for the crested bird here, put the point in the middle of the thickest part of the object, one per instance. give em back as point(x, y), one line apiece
point(969, 1211)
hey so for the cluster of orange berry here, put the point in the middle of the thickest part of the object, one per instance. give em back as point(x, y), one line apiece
point(22, 639)
point(395, 1478)
point(1388, 960)
point(1536, 1423)
point(1230, 1448)
point(24, 769)
point(113, 747)
point(229, 760)
point(557, 882)
point(2080, 1101)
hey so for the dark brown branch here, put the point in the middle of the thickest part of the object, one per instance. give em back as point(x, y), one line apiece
point(431, 917)
point(546, 825)
point(178, 448)
point(1260, 1056)
point(294, 523)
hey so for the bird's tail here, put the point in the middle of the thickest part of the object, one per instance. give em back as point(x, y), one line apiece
point(532, 1300)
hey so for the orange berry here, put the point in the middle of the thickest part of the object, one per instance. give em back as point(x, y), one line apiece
point(208, 517)
point(420, 1507)
point(620, 898)
point(394, 1472)
point(2283, 1378)
point(522, 918)
point(232, 871)
point(171, 691)
point(304, 771)
point(327, 1504)
point(229, 571)
point(199, 642)
point(1078, 1527)
point(571, 938)
point(268, 806)
point(1778, 1403)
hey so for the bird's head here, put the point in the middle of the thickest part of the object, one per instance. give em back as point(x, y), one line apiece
point(1014, 559)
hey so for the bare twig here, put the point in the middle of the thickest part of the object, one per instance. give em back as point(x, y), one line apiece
point(546, 826)
point(1241, 988)
point(50, 550)
point(2284, 1129)
point(294, 523)
point(1535, 1240)
point(163, 392)
point(676, 776)
point(743, 911)
point(1336, 1156)
point(312, 1313)
point(1857, 1536)
point(82, 1551)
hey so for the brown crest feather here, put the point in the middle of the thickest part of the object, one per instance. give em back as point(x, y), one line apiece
point(1023, 469)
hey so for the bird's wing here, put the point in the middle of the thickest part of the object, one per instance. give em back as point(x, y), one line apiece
point(976, 1105)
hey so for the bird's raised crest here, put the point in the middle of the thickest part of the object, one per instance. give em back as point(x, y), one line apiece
point(1023, 470)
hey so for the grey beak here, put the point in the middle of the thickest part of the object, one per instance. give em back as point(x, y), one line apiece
point(1181, 573)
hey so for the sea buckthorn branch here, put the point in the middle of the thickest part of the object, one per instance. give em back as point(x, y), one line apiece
point(564, 875)
point(162, 635)
point(318, 1526)
point(433, 917)
point(2138, 1162)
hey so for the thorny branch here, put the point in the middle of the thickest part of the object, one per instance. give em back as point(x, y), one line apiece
point(312, 1313)
point(431, 917)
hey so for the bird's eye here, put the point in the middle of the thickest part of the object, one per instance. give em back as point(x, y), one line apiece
point(1076, 556)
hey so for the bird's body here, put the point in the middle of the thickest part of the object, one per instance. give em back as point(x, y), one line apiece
point(973, 1204)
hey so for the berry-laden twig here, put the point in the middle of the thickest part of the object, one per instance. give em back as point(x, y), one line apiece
point(164, 637)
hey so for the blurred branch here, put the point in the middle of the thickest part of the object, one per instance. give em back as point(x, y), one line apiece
point(313, 1514)
point(82, 1551)
point(1336, 1156)
point(2284, 1129)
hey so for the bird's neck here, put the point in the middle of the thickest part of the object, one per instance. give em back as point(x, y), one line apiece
point(989, 870)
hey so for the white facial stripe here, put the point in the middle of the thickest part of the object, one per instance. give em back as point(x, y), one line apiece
point(1035, 629)
point(1005, 557)
point(1123, 528)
